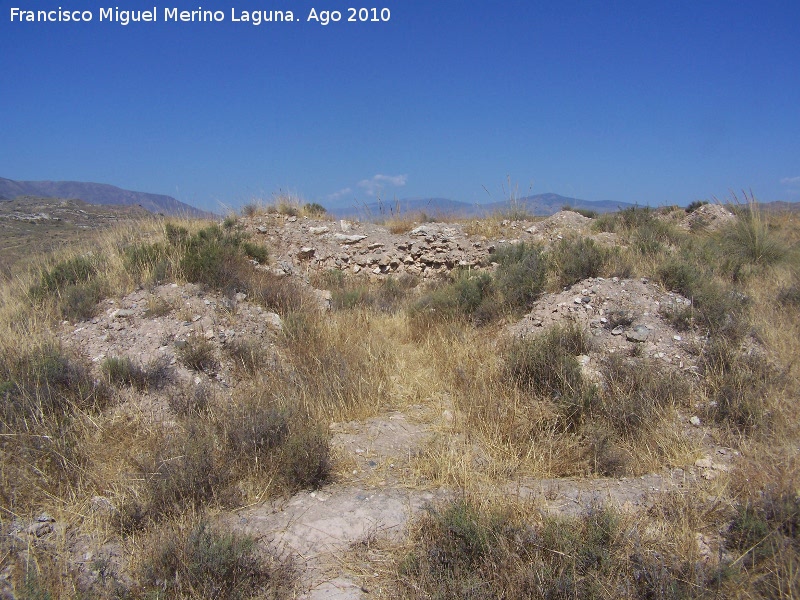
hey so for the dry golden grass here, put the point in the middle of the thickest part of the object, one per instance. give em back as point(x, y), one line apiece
point(490, 427)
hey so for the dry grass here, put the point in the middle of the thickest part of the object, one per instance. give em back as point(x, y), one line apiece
point(500, 410)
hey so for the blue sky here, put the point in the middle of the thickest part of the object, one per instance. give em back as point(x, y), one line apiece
point(628, 101)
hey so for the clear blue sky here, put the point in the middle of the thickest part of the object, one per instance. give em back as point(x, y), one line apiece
point(648, 102)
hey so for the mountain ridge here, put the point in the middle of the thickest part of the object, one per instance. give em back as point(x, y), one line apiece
point(100, 193)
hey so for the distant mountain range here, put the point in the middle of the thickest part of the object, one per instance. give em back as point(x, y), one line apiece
point(538, 205)
point(100, 193)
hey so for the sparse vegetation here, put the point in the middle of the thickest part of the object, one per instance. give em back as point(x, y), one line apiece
point(149, 460)
point(203, 561)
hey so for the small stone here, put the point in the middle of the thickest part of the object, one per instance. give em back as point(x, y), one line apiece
point(306, 252)
point(703, 463)
point(638, 334)
point(618, 330)
point(318, 230)
point(695, 421)
point(677, 338)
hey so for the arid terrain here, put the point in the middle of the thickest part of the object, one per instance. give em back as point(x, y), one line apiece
point(283, 405)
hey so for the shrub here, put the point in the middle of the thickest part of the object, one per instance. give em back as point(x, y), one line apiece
point(210, 562)
point(256, 251)
point(693, 206)
point(751, 241)
point(255, 429)
point(462, 550)
point(47, 381)
point(576, 259)
point(520, 276)
point(122, 371)
point(715, 306)
point(72, 272)
point(197, 353)
point(462, 297)
point(183, 472)
point(351, 292)
point(314, 209)
point(194, 400)
point(305, 458)
point(250, 209)
point(147, 262)
point(74, 283)
point(737, 385)
point(79, 302)
point(635, 393)
point(249, 354)
point(547, 364)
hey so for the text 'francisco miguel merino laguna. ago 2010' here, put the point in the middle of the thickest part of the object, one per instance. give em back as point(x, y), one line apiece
point(174, 15)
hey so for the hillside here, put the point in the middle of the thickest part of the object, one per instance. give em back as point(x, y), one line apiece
point(291, 406)
point(443, 208)
point(100, 193)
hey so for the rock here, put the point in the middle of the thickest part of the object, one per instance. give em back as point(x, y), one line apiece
point(695, 421)
point(122, 313)
point(348, 239)
point(345, 225)
point(618, 330)
point(318, 230)
point(306, 252)
point(261, 229)
point(423, 230)
point(704, 463)
point(638, 334)
point(273, 321)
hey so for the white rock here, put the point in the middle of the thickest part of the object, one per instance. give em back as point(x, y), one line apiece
point(695, 421)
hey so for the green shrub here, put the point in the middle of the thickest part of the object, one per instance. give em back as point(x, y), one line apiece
point(576, 259)
point(462, 550)
point(314, 209)
point(751, 241)
point(256, 251)
point(79, 302)
point(75, 286)
point(72, 272)
point(520, 276)
point(715, 306)
point(254, 430)
point(693, 206)
point(210, 562)
point(147, 262)
point(176, 235)
point(463, 297)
